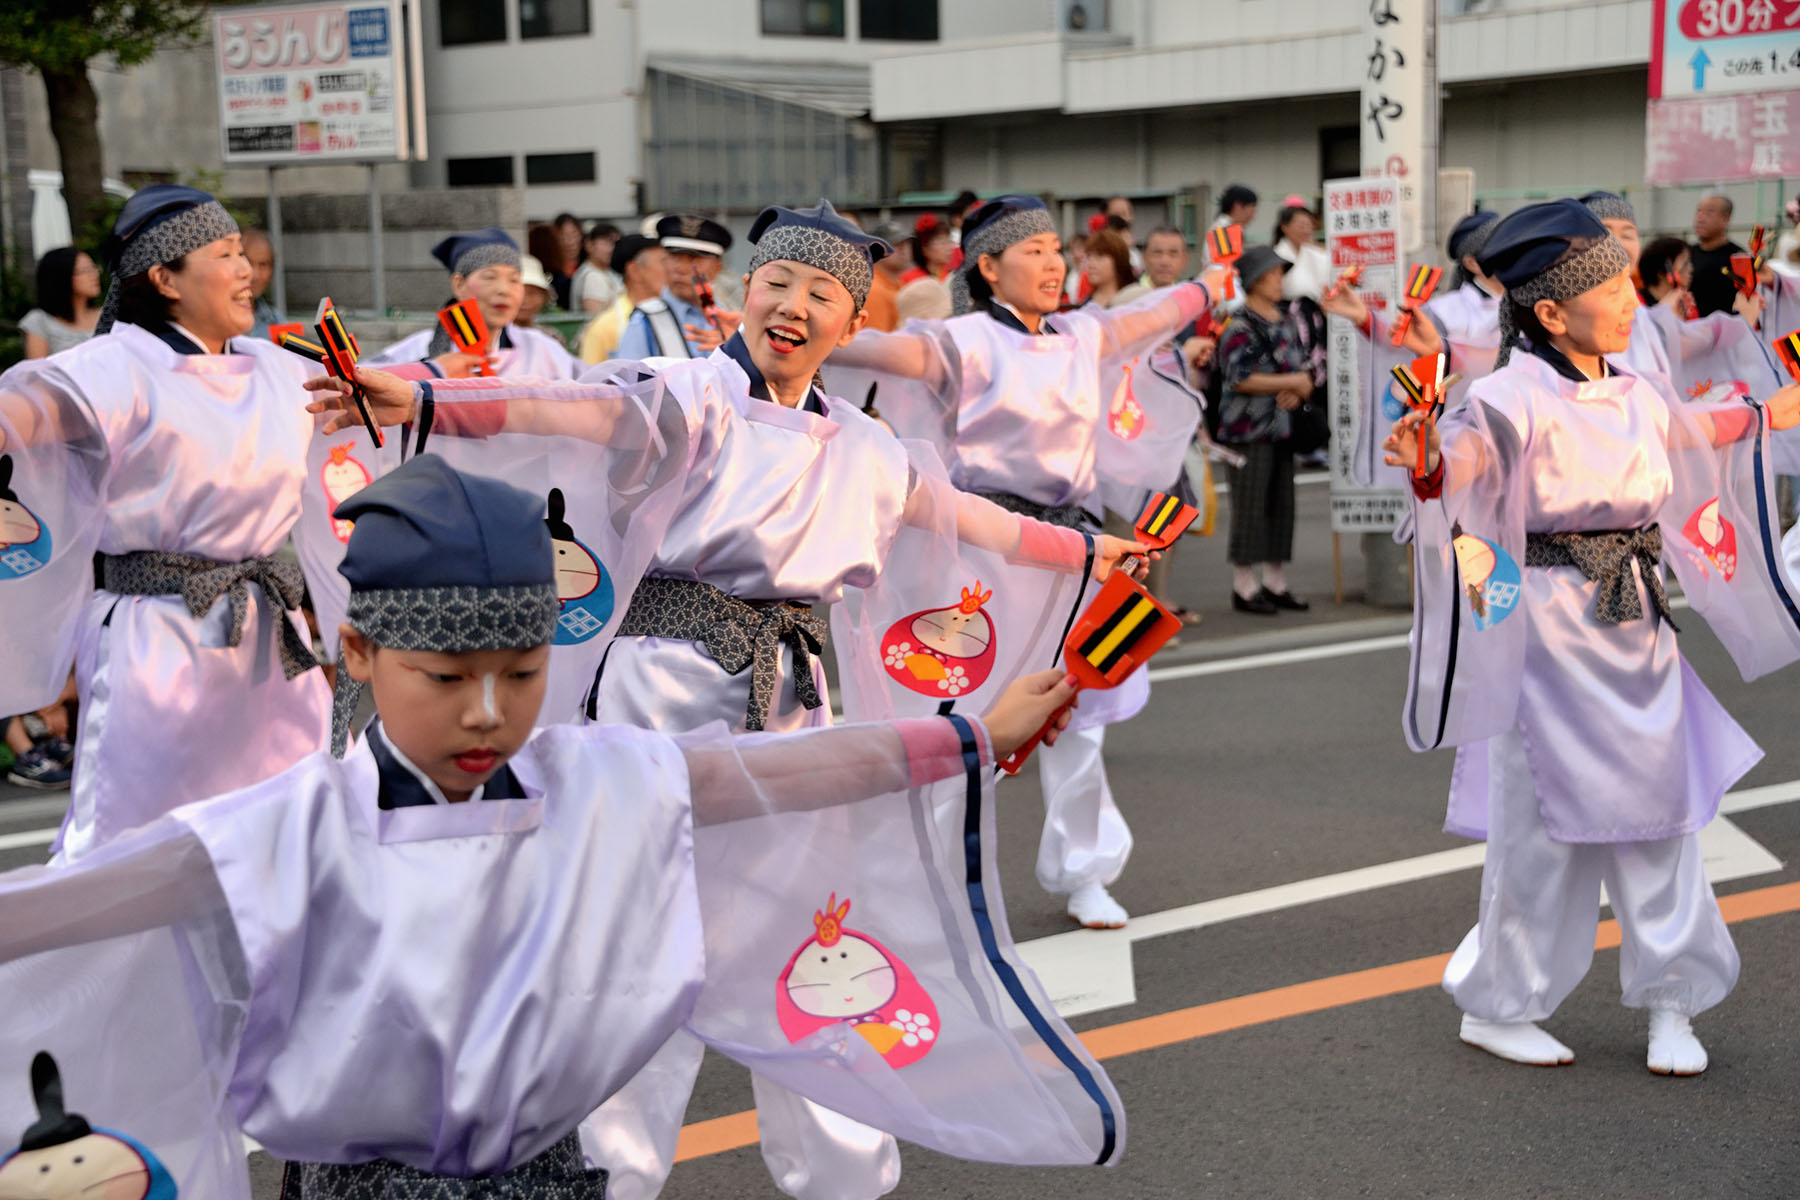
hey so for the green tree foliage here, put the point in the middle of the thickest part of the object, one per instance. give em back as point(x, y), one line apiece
point(57, 39)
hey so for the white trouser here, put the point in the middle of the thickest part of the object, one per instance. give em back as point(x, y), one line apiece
point(812, 1152)
point(1540, 906)
point(1085, 837)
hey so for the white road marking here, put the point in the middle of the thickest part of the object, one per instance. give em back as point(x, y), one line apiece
point(1086, 970)
point(1278, 658)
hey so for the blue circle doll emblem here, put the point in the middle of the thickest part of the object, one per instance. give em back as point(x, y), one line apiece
point(63, 1157)
point(1393, 403)
point(24, 539)
point(1490, 579)
point(584, 590)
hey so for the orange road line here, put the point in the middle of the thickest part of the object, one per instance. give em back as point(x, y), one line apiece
point(738, 1130)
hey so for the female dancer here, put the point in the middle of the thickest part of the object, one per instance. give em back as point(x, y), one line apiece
point(1588, 751)
point(173, 446)
point(485, 265)
point(1010, 391)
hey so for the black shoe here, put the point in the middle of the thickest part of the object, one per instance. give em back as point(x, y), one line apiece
point(1285, 600)
point(1258, 604)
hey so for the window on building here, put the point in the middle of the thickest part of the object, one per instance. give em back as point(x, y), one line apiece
point(467, 22)
point(899, 20)
point(1340, 152)
point(576, 167)
point(552, 18)
point(803, 18)
point(496, 171)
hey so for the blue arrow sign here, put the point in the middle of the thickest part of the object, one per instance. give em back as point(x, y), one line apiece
point(1699, 62)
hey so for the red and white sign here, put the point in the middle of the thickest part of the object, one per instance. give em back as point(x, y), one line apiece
point(1362, 229)
point(1723, 47)
point(1722, 139)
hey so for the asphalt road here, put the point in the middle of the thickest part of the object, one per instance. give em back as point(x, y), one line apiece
point(1262, 774)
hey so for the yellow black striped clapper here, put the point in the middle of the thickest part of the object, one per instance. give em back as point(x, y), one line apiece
point(1114, 636)
point(1789, 349)
point(468, 331)
point(1423, 382)
point(1164, 519)
point(1419, 286)
point(341, 352)
point(1227, 245)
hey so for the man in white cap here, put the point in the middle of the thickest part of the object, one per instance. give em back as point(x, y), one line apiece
point(678, 323)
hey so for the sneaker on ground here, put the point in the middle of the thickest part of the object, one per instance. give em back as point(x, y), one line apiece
point(38, 768)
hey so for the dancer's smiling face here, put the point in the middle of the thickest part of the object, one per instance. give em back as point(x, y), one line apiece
point(794, 316)
point(1028, 274)
point(1596, 322)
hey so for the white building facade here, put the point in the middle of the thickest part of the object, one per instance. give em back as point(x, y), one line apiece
point(610, 108)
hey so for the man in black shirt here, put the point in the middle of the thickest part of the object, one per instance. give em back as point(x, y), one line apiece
point(1713, 289)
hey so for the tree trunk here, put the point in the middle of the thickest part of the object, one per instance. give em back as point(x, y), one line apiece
point(75, 122)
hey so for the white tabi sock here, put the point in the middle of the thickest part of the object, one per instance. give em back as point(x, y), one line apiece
point(1093, 906)
point(1516, 1041)
point(1674, 1050)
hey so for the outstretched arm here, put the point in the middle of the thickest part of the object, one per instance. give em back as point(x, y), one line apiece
point(906, 355)
point(1128, 332)
point(483, 407)
point(759, 774)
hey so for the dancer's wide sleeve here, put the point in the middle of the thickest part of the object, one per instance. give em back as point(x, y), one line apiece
point(969, 598)
point(53, 468)
point(124, 967)
point(1721, 533)
point(1469, 547)
point(858, 954)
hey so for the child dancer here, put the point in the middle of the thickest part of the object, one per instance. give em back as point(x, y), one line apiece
point(498, 927)
point(1588, 751)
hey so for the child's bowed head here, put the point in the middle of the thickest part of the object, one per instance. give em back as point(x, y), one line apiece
point(452, 609)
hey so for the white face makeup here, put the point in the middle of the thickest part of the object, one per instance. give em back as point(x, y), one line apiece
point(849, 978)
point(488, 708)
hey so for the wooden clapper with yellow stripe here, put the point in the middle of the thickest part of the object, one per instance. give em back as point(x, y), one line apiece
point(1164, 519)
point(1419, 285)
point(337, 350)
point(1423, 382)
point(1788, 348)
point(1227, 245)
point(468, 332)
point(1115, 635)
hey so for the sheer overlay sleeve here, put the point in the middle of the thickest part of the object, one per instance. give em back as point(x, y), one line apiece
point(759, 774)
point(1128, 332)
point(909, 354)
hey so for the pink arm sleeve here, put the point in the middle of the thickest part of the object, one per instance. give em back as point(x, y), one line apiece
point(757, 774)
point(1129, 331)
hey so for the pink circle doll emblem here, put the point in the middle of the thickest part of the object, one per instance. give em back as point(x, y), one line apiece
point(942, 652)
point(842, 976)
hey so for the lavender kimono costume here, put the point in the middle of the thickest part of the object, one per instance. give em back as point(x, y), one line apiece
point(1587, 750)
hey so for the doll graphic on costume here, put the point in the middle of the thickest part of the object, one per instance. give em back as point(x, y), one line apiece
point(1125, 416)
point(1490, 578)
point(943, 651)
point(24, 540)
point(844, 976)
point(1716, 537)
point(342, 477)
point(583, 587)
point(62, 1157)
